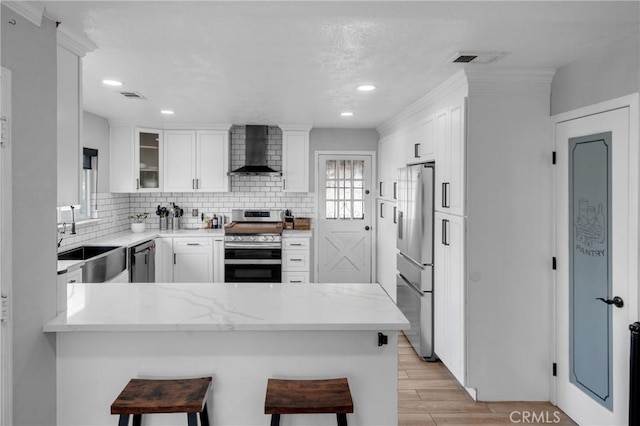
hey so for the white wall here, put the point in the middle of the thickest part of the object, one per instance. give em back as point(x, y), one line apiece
point(30, 53)
point(604, 74)
point(95, 134)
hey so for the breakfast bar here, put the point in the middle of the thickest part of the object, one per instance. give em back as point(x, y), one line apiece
point(240, 334)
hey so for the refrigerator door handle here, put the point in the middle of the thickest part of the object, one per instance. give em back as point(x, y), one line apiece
point(400, 225)
point(411, 287)
point(395, 215)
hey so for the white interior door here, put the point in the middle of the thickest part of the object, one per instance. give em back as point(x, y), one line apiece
point(593, 246)
point(344, 218)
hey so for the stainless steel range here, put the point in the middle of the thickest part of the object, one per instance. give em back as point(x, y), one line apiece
point(253, 246)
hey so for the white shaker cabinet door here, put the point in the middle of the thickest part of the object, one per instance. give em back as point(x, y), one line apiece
point(449, 294)
point(179, 160)
point(295, 160)
point(450, 136)
point(193, 260)
point(164, 260)
point(212, 161)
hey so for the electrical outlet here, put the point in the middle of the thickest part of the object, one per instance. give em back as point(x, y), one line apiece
point(194, 212)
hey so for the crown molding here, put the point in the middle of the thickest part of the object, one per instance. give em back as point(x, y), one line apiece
point(171, 126)
point(457, 81)
point(295, 127)
point(74, 42)
point(29, 10)
point(476, 80)
point(515, 75)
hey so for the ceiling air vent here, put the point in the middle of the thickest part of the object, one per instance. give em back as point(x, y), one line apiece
point(477, 57)
point(465, 59)
point(132, 95)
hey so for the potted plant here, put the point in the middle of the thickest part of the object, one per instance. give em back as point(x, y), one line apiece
point(137, 221)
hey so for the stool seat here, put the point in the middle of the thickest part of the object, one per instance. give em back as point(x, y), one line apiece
point(308, 396)
point(146, 396)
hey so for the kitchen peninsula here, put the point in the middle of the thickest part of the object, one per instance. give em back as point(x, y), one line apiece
point(240, 334)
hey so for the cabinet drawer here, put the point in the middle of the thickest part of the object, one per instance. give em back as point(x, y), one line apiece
point(295, 243)
point(295, 260)
point(191, 243)
point(295, 277)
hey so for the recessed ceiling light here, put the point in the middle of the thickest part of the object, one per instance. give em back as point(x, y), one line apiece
point(114, 83)
point(346, 114)
point(366, 88)
point(166, 112)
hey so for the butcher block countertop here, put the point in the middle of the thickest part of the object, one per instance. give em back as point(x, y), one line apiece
point(227, 307)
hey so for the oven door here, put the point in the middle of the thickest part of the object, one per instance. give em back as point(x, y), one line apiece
point(245, 263)
point(253, 271)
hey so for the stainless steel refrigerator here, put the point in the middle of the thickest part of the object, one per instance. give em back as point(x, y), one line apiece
point(415, 254)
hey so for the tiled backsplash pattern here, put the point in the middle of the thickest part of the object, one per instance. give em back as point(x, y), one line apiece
point(113, 213)
point(260, 192)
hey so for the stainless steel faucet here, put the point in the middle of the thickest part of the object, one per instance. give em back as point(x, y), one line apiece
point(73, 220)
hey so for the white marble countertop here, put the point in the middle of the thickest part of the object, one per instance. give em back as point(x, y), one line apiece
point(228, 307)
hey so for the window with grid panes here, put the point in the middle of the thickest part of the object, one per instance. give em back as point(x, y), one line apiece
point(344, 189)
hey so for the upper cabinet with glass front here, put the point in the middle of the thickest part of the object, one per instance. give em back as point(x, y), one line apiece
point(148, 150)
point(137, 166)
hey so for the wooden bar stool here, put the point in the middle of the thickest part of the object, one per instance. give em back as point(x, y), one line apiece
point(308, 396)
point(146, 396)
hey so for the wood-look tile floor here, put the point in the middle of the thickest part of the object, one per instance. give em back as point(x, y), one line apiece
point(428, 394)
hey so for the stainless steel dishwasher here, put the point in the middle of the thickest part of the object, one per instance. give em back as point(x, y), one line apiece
point(142, 263)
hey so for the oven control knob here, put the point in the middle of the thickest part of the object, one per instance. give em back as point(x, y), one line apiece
point(253, 238)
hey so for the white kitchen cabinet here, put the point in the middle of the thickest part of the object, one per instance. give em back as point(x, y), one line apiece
point(450, 157)
point(212, 160)
point(218, 259)
point(196, 160)
point(69, 117)
point(295, 159)
point(179, 160)
point(135, 159)
point(193, 260)
point(386, 246)
point(296, 259)
point(449, 294)
point(390, 158)
point(421, 143)
point(164, 260)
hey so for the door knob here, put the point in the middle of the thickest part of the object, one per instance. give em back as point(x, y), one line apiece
point(366, 228)
point(616, 301)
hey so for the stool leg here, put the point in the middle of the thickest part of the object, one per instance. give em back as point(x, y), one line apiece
point(137, 419)
point(275, 420)
point(192, 419)
point(342, 419)
point(204, 416)
point(123, 420)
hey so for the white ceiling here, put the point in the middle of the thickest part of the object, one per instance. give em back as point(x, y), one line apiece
point(300, 62)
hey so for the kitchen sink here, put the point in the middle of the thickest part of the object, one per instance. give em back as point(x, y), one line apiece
point(101, 263)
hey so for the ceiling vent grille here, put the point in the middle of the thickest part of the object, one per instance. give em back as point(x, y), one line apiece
point(477, 57)
point(132, 95)
point(465, 59)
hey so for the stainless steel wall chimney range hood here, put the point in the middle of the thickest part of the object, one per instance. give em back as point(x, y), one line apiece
point(255, 161)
